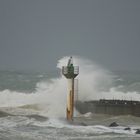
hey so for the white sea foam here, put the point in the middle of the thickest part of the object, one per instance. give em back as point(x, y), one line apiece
point(94, 83)
point(91, 129)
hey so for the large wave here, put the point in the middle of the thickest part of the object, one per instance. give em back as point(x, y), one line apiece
point(50, 95)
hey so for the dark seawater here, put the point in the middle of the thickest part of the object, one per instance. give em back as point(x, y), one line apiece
point(24, 112)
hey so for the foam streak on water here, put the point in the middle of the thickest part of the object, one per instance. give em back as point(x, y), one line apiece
point(94, 83)
point(41, 114)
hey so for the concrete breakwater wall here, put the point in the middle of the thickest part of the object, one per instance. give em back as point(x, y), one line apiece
point(111, 107)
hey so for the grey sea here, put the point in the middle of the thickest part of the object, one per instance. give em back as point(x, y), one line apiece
point(30, 109)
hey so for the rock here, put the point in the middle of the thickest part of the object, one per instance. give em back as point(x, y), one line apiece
point(137, 131)
point(83, 124)
point(127, 128)
point(114, 124)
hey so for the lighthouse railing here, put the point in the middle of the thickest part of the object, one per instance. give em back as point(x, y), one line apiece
point(65, 70)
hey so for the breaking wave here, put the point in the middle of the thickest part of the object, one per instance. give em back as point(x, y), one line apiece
point(50, 95)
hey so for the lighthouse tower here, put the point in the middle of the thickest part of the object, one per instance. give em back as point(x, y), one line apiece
point(70, 72)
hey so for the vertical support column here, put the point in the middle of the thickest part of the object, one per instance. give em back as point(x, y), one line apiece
point(70, 99)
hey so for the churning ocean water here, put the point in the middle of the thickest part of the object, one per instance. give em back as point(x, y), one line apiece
point(32, 105)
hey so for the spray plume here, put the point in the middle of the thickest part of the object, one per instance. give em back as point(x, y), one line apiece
point(94, 83)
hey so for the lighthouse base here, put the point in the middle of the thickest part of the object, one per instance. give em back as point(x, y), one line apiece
point(69, 115)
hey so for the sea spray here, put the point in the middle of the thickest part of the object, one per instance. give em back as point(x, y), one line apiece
point(92, 78)
point(50, 95)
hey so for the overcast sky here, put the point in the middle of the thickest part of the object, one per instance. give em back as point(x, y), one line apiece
point(34, 34)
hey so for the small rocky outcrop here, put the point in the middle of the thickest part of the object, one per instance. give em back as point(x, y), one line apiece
point(137, 131)
point(83, 124)
point(114, 124)
point(127, 128)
